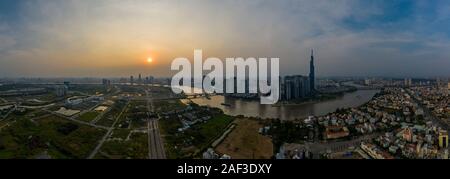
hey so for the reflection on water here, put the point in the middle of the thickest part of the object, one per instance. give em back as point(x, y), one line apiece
point(286, 112)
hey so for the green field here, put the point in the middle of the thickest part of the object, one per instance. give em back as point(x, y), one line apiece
point(88, 116)
point(199, 137)
point(57, 137)
point(109, 118)
point(135, 115)
point(135, 148)
point(168, 105)
point(120, 133)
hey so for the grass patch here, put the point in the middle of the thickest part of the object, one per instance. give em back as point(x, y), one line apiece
point(59, 137)
point(135, 148)
point(109, 118)
point(121, 133)
point(168, 105)
point(194, 140)
point(88, 116)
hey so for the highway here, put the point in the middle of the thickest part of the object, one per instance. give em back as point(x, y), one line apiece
point(428, 115)
point(155, 144)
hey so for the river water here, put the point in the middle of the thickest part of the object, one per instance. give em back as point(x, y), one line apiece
point(286, 112)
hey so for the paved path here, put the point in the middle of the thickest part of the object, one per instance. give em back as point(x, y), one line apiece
point(155, 143)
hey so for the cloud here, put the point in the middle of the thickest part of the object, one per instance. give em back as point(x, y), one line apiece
point(351, 37)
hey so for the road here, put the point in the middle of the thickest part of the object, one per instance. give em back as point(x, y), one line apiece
point(3, 100)
point(338, 146)
point(77, 121)
point(106, 136)
point(428, 115)
point(155, 144)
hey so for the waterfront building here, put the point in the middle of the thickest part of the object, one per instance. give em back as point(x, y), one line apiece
point(295, 88)
point(312, 75)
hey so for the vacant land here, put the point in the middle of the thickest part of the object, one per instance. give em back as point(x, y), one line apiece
point(135, 116)
point(109, 118)
point(244, 142)
point(168, 105)
point(88, 116)
point(190, 143)
point(135, 148)
point(51, 136)
point(120, 133)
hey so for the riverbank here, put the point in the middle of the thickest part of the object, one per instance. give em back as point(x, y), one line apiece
point(251, 108)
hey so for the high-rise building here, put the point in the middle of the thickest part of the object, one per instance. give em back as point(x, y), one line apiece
point(131, 80)
point(312, 77)
point(151, 79)
point(61, 90)
point(408, 82)
point(295, 87)
point(106, 82)
point(367, 82)
point(140, 79)
point(443, 139)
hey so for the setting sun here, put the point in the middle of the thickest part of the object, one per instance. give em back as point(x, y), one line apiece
point(149, 60)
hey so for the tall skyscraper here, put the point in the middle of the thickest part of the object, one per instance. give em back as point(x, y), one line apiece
point(312, 77)
point(140, 79)
point(295, 87)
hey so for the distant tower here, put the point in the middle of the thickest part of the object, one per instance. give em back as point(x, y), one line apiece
point(140, 79)
point(312, 77)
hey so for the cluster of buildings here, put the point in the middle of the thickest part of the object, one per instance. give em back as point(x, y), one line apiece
point(61, 90)
point(295, 87)
point(408, 134)
point(296, 153)
point(435, 99)
point(211, 154)
point(191, 115)
point(299, 87)
point(396, 121)
point(374, 151)
point(420, 142)
point(140, 80)
point(383, 112)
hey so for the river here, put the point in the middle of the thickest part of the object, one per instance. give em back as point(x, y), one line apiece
point(286, 112)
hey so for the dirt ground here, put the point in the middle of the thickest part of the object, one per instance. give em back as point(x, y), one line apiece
point(244, 142)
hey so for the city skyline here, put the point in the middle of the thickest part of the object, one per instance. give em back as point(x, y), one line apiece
point(116, 38)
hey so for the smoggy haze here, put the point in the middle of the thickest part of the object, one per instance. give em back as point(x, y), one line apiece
point(115, 37)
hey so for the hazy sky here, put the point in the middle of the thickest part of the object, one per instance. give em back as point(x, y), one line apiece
point(50, 38)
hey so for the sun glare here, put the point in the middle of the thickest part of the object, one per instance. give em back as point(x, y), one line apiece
point(149, 60)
